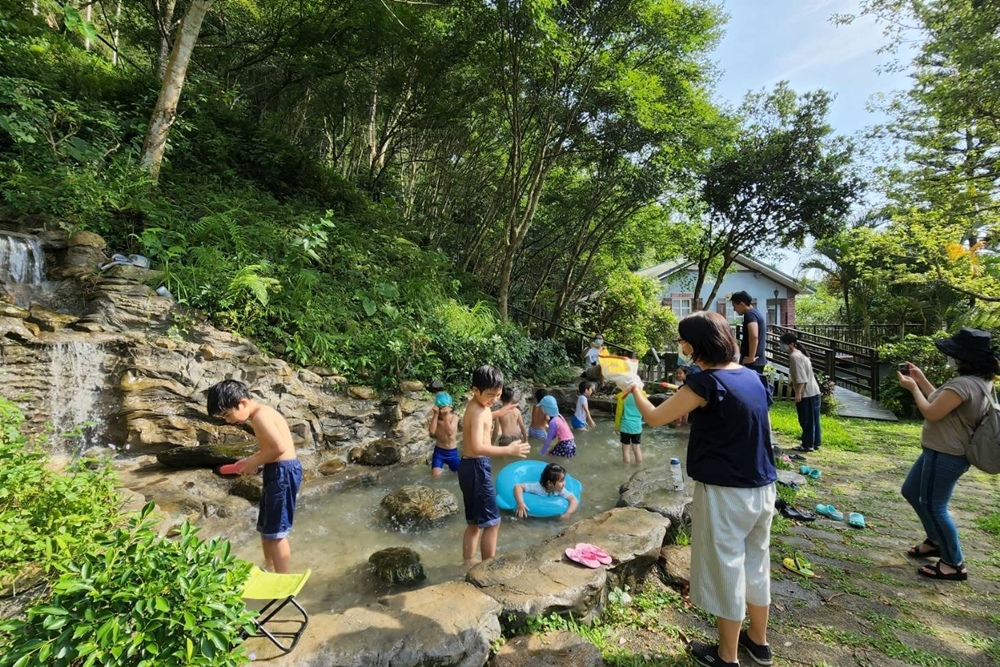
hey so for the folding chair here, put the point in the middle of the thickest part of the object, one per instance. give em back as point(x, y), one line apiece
point(280, 590)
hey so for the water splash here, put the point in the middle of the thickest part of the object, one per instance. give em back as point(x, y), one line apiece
point(77, 377)
point(22, 260)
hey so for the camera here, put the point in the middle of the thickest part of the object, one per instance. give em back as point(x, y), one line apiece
point(904, 368)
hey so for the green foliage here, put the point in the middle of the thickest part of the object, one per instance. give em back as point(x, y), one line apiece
point(990, 524)
point(138, 599)
point(47, 518)
point(627, 310)
point(920, 351)
point(123, 595)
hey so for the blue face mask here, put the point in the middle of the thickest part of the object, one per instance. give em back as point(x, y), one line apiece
point(783, 347)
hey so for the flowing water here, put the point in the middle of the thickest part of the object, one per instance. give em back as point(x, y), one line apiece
point(74, 402)
point(335, 534)
point(21, 260)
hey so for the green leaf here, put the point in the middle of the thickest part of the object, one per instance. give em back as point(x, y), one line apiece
point(369, 306)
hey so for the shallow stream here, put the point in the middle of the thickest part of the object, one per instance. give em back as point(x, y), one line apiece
point(335, 533)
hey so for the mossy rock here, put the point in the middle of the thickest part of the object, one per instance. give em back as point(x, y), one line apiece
point(250, 487)
point(419, 505)
point(397, 565)
point(378, 453)
point(206, 456)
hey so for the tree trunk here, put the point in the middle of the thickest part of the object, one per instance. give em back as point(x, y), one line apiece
point(88, 14)
point(726, 263)
point(165, 20)
point(115, 33)
point(165, 110)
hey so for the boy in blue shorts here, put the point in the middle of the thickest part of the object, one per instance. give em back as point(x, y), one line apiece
point(231, 400)
point(582, 418)
point(442, 426)
point(475, 475)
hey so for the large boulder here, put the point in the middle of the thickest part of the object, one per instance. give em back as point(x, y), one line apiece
point(447, 624)
point(653, 489)
point(416, 505)
point(381, 452)
point(397, 565)
point(541, 579)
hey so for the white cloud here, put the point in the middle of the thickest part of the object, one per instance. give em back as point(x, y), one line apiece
point(823, 45)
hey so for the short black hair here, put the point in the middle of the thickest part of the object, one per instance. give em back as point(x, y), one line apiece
point(507, 395)
point(552, 473)
point(740, 297)
point(226, 395)
point(791, 339)
point(585, 385)
point(540, 394)
point(710, 337)
point(487, 377)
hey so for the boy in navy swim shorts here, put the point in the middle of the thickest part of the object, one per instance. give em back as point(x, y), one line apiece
point(442, 426)
point(231, 400)
point(475, 475)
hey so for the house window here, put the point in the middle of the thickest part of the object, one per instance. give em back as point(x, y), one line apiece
point(681, 306)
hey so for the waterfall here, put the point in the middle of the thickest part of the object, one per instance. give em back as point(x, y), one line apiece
point(75, 395)
point(21, 259)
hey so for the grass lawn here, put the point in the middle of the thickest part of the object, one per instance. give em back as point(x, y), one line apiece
point(867, 606)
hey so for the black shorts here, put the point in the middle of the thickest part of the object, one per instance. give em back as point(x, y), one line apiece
point(475, 477)
point(631, 438)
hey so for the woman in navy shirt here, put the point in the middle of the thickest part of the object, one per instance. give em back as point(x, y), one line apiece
point(729, 457)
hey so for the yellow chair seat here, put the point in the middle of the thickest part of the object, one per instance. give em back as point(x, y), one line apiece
point(280, 590)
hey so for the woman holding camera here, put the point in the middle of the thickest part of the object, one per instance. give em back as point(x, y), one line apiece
point(951, 414)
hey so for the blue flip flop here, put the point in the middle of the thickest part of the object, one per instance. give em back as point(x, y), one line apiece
point(830, 512)
point(856, 520)
point(810, 472)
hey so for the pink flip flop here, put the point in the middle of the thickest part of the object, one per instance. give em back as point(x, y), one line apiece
point(594, 552)
point(578, 556)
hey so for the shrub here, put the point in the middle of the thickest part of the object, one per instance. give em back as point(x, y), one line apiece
point(47, 517)
point(138, 600)
point(919, 350)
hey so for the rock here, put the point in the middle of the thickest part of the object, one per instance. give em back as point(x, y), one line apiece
point(675, 561)
point(331, 467)
point(447, 624)
point(541, 580)
point(309, 377)
point(321, 371)
point(134, 273)
point(17, 329)
point(332, 435)
point(792, 477)
point(555, 649)
point(208, 352)
point(49, 320)
point(364, 393)
point(397, 565)
point(381, 452)
point(87, 239)
point(419, 505)
point(411, 385)
point(165, 343)
point(10, 310)
point(250, 487)
point(205, 456)
point(652, 489)
point(606, 404)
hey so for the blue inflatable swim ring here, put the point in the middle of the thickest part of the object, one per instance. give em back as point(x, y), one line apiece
point(524, 472)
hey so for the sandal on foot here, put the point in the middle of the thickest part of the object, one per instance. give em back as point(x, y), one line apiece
point(799, 565)
point(917, 552)
point(934, 572)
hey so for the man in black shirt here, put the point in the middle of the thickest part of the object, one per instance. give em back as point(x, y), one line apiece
point(754, 332)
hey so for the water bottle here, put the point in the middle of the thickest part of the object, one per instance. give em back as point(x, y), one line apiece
point(677, 474)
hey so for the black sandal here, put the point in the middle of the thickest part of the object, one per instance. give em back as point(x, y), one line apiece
point(934, 572)
point(916, 552)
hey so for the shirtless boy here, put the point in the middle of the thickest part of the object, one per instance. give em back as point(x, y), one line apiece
point(442, 426)
point(475, 475)
point(231, 400)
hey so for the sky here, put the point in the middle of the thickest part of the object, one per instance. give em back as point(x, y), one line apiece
point(768, 41)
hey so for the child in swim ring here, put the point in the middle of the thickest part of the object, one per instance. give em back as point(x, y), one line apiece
point(559, 430)
point(552, 483)
point(539, 420)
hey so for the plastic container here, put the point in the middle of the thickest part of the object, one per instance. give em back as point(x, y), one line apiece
point(677, 474)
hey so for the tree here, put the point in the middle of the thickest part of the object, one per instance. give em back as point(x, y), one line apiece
point(781, 178)
point(165, 110)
